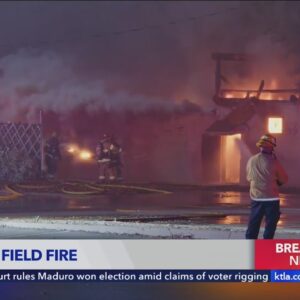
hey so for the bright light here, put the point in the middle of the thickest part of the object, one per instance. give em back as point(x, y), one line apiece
point(85, 155)
point(72, 148)
point(78, 153)
point(230, 158)
point(227, 95)
point(275, 125)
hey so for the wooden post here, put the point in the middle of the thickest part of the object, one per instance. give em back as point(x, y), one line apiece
point(260, 89)
point(42, 143)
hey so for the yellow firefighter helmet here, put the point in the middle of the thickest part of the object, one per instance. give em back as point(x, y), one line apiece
point(267, 140)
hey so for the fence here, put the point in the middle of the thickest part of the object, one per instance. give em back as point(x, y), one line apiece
point(20, 151)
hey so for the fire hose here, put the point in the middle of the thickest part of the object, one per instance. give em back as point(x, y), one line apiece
point(13, 194)
point(63, 189)
point(93, 189)
point(80, 193)
point(130, 187)
point(25, 186)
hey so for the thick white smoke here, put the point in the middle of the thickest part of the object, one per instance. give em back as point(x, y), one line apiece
point(169, 60)
point(32, 80)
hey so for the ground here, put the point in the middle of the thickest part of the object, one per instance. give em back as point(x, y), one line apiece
point(91, 210)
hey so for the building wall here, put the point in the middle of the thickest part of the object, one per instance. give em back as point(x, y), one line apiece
point(166, 150)
point(169, 147)
point(288, 143)
point(161, 147)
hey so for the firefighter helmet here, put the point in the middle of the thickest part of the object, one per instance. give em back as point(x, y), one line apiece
point(267, 140)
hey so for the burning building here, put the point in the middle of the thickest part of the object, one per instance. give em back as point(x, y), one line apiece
point(158, 146)
point(190, 146)
point(230, 140)
point(185, 144)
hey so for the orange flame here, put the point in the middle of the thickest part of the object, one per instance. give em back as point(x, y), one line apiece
point(85, 155)
point(72, 148)
point(79, 154)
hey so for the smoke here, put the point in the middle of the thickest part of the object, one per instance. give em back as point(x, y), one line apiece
point(269, 31)
point(87, 54)
point(32, 81)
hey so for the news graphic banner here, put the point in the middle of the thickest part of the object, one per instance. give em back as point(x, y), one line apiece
point(128, 261)
point(277, 254)
point(150, 260)
point(282, 257)
point(125, 254)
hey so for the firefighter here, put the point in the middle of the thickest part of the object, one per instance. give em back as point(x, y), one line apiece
point(265, 174)
point(103, 157)
point(52, 155)
point(115, 161)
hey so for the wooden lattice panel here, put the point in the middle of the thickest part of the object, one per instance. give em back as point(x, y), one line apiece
point(21, 137)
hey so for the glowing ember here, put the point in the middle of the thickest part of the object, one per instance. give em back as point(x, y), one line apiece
point(227, 95)
point(275, 125)
point(85, 155)
point(239, 95)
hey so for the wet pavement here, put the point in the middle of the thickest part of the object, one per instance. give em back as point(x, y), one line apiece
point(182, 206)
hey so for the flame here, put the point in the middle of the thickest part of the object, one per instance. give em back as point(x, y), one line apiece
point(85, 155)
point(227, 95)
point(274, 84)
point(252, 86)
point(271, 96)
point(72, 148)
point(79, 154)
point(235, 95)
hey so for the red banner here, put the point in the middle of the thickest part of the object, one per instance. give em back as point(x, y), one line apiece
point(277, 254)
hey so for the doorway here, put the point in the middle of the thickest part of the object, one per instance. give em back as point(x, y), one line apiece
point(230, 158)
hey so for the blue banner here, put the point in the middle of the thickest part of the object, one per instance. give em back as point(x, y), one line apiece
point(285, 276)
point(134, 276)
